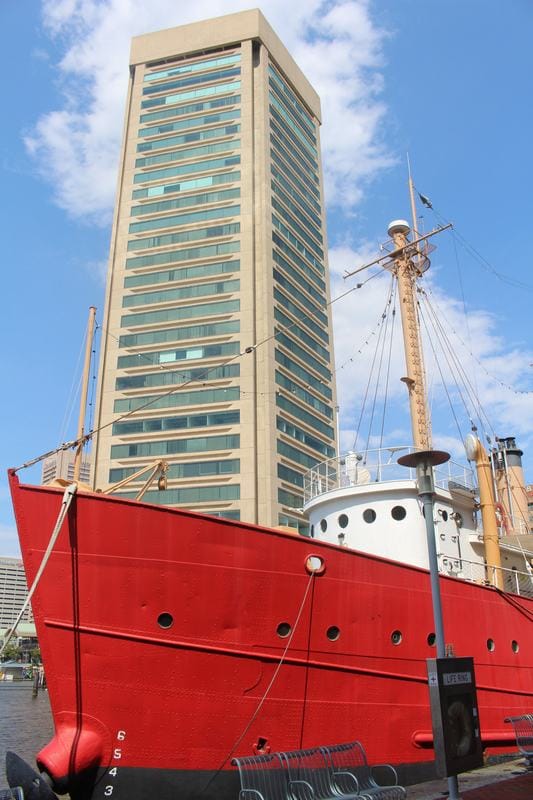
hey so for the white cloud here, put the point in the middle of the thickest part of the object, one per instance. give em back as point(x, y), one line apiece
point(76, 147)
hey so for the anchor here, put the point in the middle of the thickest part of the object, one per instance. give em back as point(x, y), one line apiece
point(25, 782)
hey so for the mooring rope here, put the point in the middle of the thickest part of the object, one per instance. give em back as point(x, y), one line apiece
point(68, 496)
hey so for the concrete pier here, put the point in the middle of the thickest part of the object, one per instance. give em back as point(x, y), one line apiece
point(510, 780)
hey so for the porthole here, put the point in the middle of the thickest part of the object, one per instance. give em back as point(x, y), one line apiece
point(323, 525)
point(283, 630)
point(490, 645)
point(444, 515)
point(315, 564)
point(515, 647)
point(369, 515)
point(398, 513)
point(333, 633)
point(431, 639)
point(165, 620)
point(343, 520)
point(396, 637)
point(312, 532)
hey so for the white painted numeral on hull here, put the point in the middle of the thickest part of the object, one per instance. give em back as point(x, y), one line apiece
point(117, 755)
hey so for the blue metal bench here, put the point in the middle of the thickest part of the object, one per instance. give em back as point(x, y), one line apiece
point(310, 776)
point(523, 729)
point(262, 777)
point(338, 772)
point(352, 774)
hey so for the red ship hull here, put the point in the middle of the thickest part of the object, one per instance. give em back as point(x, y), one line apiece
point(164, 637)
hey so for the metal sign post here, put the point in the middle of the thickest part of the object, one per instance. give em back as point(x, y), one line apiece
point(424, 461)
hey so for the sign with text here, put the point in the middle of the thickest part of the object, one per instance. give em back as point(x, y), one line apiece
point(454, 715)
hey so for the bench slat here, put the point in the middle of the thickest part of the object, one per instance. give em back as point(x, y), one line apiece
point(262, 777)
point(348, 763)
point(523, 730)
point(310, 776)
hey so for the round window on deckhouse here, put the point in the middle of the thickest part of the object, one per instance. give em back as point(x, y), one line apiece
point(398, 513)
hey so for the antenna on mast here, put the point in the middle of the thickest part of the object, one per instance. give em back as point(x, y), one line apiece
point(420, 258)
point(412, 199)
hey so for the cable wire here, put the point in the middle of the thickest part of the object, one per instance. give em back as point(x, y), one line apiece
point(389, 361)
point(268, 688)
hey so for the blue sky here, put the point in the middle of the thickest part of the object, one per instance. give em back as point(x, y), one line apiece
point(449, 82)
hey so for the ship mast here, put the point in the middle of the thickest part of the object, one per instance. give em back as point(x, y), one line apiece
point(407, 271)
point(83, 393)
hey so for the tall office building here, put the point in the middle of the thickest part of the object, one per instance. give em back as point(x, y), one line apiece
point(217, 333)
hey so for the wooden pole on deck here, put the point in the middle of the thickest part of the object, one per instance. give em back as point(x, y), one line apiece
point(83, 395)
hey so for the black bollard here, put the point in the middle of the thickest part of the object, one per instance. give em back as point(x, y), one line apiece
point(15, 793)
point(34, 786)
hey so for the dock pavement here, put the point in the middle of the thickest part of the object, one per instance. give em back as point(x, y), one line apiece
point(510, 780)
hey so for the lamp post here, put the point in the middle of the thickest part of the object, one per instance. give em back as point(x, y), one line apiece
point(424, 461)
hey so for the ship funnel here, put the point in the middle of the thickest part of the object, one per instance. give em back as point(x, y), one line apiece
point(398, 226)
point(510, 483)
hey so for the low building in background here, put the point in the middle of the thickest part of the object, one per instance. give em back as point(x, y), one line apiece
point(61, 465)
point(13, 594)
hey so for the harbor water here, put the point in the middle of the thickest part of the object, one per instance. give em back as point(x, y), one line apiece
point(25, 722)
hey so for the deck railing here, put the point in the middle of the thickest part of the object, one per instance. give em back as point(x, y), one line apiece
point(378, 466)
point(513, 580)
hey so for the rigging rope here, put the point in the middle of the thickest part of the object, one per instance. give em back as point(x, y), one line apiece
point(465, 315)
point(380, 364)
point(479, 363)
point(68, 496)
point(72, 394)
point(460, 370)
point(437, 362)
point(363, 406)
point(93, 378)
point(477, 255)
point(391, 340)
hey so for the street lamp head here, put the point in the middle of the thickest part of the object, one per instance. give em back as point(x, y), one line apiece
point(432, 457)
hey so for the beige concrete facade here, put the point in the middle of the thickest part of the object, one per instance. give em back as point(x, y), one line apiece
point(201, 181)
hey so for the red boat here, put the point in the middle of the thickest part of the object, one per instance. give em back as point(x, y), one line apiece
point(173, 641)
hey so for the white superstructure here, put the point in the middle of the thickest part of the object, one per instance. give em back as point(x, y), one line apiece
point(369, 503)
